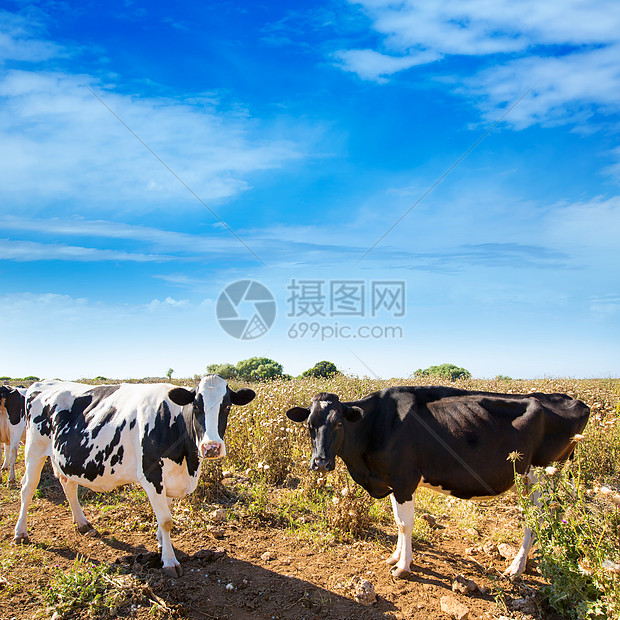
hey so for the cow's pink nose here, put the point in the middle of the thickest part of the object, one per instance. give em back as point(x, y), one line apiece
point(212, 449)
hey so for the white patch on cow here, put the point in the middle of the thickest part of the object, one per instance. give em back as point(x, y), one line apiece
point(325, 404)
point(213, 390)
point(404, 515)
point(520, 561)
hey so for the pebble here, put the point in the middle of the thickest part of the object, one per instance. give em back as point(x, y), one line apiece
point(451, 607)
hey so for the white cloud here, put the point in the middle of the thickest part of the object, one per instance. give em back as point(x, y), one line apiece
point(27, 251)
point(567, 53)
point(59, 142)
point(371, 65)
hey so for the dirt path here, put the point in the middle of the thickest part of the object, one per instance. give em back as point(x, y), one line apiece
point(252, 568)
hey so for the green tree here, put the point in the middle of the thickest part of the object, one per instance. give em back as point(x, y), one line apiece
point(444, 371)
point(226, 371)
point(259, 369)
point(322, 369)
point(169, 373)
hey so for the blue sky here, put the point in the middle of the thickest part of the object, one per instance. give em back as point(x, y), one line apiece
point(154, 153)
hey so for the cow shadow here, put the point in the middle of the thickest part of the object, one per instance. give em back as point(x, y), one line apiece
point(216, 585)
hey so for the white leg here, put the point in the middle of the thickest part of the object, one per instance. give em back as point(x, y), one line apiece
point(5, 462)
point(404, 516)
point(518, 564)
point(71, 492)
point(34, 465)
point(159, 502)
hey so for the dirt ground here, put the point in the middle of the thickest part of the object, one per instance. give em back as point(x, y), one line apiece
point(249, 567)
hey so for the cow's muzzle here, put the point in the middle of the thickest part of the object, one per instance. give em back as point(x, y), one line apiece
point(212, 450)
point(322, 465)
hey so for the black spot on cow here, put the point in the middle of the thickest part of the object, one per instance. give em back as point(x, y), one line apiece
point(132, 424)
point(168, 439)
point(72, 435)
point(117, 458)
point(44, 420)
point(104, 421)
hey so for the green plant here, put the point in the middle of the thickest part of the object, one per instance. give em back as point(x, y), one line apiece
point(577, 534)
point(91, 587)
point(444, 371)
point(226, 371)
point(258, 368)
point(323, 369)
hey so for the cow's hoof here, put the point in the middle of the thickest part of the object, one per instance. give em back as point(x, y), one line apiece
point(400, 573)
point(12, 484)
point(87, 530)
point(512, 574)
point(173, 571)
point(22, 539)
point(391, 561)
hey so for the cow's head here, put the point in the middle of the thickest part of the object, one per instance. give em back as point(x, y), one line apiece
point(211, 402)
point(326, 422)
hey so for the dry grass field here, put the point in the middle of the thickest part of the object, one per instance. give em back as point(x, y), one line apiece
point(264, 537)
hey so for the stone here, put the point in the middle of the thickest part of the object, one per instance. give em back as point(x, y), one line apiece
point(454, 609)
point(490, 548)
point(219, 515)
point(507, 551)
point(432, 522)
point(463, 585)
point(363, 591)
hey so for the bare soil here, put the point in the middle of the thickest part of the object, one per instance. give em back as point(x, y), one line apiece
point(249, 567)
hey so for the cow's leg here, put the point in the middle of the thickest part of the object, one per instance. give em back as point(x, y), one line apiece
point(404, 516)
point(35, 458)
point(11, 454)
point(518, 564)
point(71, 491)
point(5, 462)
point(159, 502)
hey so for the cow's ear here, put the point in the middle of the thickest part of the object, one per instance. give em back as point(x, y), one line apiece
point(242, 397)
point(298, 414)
point(352, 414)
point(181, 396)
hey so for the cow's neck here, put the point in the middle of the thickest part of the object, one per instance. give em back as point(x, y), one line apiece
point(356, 453)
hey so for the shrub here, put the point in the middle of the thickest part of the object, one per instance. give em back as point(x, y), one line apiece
point(444, 371)
point(258, 369)
point(322, 369)
point(226, 371)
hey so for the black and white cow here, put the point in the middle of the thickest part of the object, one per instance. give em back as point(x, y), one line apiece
point(109, 435)
point(12, 425)
point(453, 441)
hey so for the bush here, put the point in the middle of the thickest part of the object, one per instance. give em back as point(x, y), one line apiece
point(322, 369)
point(31, 378)
point(258, 369)
point(226, 371)
point(444, 371)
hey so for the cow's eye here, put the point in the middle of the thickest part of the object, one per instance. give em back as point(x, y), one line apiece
point(338, 425)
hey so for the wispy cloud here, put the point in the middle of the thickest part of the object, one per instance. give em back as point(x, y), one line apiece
point(568, 54)
point(28, 251)
point(55, 131)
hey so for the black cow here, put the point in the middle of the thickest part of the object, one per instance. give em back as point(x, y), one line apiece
point(12, 425)
point(107, 435)
point(453, 441)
